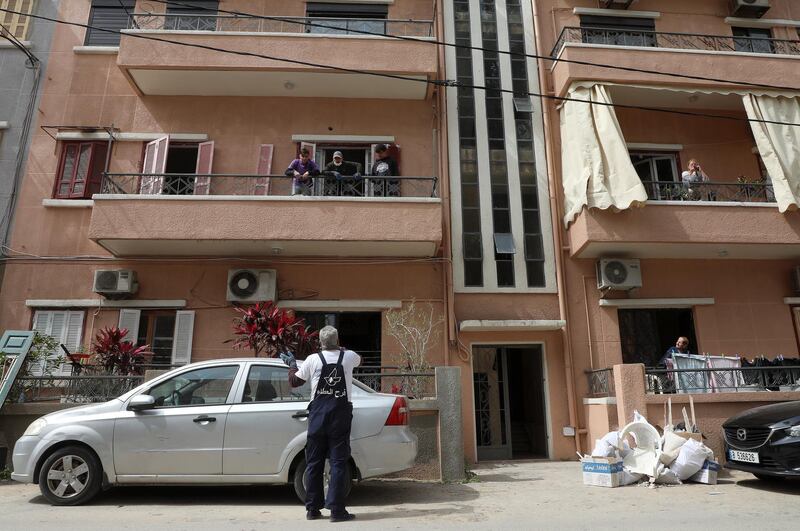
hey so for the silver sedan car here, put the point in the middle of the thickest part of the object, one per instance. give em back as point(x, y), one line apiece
point(233, 421)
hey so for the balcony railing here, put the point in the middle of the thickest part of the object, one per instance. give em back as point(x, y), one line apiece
point(72, 389)
point(395, 380)
point(723, 380)
point(601, 382)
point(280, 24)
point(184, 184)
point(709, 191)
point(677, 41)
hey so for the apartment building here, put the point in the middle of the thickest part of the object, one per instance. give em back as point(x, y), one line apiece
point(155, 197)
point(652, 248)
point(20, 89)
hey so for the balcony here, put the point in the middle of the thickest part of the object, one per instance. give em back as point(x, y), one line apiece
point(705, 56)
point(255, 215)
point(703, 220)
point(187, 65)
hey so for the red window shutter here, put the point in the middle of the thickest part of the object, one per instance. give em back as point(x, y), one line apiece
point(95, 179)
point(264, 168)
point(66, 170)
point(205, 158)
point(80, 169)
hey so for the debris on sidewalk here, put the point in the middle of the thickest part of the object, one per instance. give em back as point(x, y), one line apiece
point(639, 452)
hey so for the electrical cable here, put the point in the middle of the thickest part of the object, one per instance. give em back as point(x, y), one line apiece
point(305, 22)
point(449, 83)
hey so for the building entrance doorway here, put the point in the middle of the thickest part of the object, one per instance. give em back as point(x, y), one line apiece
point(509, 390)
point(645, 335)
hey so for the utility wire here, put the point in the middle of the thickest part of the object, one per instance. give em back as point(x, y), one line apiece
point(446, 83)
point(306, 22)
point(128, 13)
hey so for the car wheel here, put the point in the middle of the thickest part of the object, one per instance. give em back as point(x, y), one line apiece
point(299, 480)
point(70, 476)
point(764, 477)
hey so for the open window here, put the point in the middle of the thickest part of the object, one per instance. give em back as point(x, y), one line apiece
point(658, 172)
point(177, 168)
point(168, 332)
point(646, 334)
point(80, 170)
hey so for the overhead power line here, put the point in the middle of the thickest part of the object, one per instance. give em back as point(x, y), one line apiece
point(308, 23)
point(450, 83)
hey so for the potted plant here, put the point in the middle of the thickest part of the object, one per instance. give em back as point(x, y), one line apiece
point(270, 331)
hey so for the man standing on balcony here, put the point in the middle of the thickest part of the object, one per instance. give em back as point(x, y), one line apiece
point(339, 168)
point(385, 166)
point(681, 347)
point(330, 415)
point(301, 171)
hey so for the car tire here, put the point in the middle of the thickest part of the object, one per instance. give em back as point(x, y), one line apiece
point(299, 483)
point(70, 476)
point(772, 479)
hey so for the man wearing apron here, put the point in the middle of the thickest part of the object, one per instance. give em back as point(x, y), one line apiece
point(330, 415)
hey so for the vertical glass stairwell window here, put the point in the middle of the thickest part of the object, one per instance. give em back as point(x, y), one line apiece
point(468, 157)
point(531, 215)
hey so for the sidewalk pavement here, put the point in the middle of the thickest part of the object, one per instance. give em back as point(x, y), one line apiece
point(508, 495)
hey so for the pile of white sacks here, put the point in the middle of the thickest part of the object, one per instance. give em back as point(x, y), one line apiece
point(669, 459)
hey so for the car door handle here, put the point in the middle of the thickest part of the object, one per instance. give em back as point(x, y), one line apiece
point(204, 418)
point(300, 415)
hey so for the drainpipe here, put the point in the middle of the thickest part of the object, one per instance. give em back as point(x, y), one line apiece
point(444, 190)
point(555, 219)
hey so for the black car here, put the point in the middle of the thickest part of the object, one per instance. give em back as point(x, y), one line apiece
point(765, 441)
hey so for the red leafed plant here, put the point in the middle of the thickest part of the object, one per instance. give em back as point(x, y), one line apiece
point(118, 356)
point(266, 329)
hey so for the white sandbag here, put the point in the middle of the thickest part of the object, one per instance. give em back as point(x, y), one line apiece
point(690, 459)
point(671, 447)
point(667, 476)
point(610, 445)
point(629, 477)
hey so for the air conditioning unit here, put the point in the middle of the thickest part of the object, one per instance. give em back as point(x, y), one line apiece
point(616, 4)
point(796, 279)
point(251, 285)
point(115, 283)
point(749, 8)
point(618, 274)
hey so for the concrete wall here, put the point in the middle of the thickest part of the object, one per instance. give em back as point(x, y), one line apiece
point(16, 84)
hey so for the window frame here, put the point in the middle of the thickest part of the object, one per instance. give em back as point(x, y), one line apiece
point(124, 7)
point(89, 179)
point(150, 316)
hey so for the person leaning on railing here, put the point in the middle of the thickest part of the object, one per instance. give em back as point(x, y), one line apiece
point(301, 170)
point(692, 181)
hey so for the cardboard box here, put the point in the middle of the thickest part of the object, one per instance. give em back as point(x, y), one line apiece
point(707, 474)
point(602, 471)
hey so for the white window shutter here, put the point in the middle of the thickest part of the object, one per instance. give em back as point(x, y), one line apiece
point(41, 324)
point(73, 331)
point(205, 160)
point(182, 339)
point(130, 319)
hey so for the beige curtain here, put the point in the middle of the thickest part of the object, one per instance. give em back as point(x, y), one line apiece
point(779, 145)
point(596, 168)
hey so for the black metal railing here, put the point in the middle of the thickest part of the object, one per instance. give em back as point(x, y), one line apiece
point(709, 191)
point(281, 24)
point(72, 389)
point(722, 380)
point(601, 382)
point(396, 380)
point(269, 185)
point(677, 41)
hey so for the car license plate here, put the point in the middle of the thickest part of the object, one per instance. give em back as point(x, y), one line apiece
point(745, 457)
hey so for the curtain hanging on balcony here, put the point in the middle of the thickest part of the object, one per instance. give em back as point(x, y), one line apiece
point(596, 167)
point(779, 145)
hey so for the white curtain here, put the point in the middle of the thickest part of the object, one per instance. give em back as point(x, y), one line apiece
point(779, 145)
point(596, 168)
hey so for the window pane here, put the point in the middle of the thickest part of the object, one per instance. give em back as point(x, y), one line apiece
point(471, 220)
point(472, 246)
point(163, 338)
point(505, 273)
point(69, 164)
point(473, 273)
point(535, 272)
point(271, 384)
point(200, 386)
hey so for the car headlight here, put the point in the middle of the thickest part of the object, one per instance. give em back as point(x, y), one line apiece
point(35, 428)
point(794, 431)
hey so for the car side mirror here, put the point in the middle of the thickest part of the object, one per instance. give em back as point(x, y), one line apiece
point(141, 402)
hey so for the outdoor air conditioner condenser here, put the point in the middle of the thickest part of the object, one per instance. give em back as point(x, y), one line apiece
point(115, 283)
point(251, 285)
point(618, 274)
point(749, 8)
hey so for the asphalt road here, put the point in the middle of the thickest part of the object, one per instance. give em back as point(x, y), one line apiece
point(522, 495)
